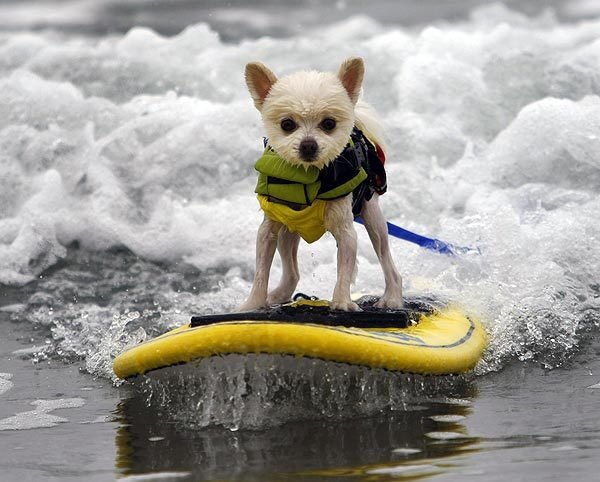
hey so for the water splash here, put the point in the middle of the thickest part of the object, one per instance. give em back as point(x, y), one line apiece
point(258, 391)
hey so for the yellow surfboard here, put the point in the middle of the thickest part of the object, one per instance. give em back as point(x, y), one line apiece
point(423, 340)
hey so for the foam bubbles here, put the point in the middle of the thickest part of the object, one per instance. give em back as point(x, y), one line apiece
point(40, 417)
point(446, 436)
point(5, 382)
point(555, 142)
point(452, 418)
point(406, 451)
point(405, 470)
point(156, 476)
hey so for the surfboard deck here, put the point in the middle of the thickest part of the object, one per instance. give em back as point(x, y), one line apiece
point(424, 337)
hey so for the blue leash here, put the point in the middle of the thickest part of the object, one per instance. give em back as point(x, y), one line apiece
point(427, 243)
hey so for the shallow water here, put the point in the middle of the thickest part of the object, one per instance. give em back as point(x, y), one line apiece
point(126, 205)
point(523, 423)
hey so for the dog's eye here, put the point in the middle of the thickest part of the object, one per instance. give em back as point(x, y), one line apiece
point(288, 125)
point(328, 124)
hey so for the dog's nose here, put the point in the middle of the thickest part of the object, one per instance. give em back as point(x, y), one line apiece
point(308, 149)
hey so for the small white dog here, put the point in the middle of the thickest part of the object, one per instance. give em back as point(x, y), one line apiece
point(322, 166)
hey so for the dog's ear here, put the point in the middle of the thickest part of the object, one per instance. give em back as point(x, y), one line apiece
point(351, 75)
point(259, 80)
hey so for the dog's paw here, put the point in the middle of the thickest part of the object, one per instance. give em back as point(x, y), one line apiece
point(347, 305)
point(278, 297)
point(251, 305)
point(389, 303)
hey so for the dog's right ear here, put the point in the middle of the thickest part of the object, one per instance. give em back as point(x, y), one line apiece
point(259, 80)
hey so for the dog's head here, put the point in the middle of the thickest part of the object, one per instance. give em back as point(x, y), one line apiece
point(308, 116)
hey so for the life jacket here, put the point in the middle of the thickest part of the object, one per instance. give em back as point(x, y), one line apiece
point(296, 196)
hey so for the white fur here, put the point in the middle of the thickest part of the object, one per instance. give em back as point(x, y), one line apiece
point(366, 120)
point(308, 98)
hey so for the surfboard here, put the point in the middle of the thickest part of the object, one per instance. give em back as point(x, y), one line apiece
point(425, 337)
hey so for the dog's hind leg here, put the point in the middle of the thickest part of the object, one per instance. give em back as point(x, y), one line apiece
point(339, 222)
point(377, 229)
point(287, 245)
point(266, 242)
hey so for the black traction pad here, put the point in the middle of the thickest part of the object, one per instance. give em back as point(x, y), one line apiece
point(368, 317)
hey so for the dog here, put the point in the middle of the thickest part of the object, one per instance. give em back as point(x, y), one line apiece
point(318, 134)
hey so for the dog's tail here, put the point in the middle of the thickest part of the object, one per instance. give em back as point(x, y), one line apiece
point(369, 124)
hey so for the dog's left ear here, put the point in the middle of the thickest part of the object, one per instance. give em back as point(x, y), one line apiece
point(351, 75)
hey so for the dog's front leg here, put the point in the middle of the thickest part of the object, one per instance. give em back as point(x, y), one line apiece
point(266, 242)
point(338, 221)
point(287, 245)
point(377, 229)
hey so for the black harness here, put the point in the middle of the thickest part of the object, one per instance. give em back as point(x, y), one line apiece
point(362, 154)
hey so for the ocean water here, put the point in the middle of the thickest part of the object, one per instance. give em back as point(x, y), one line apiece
point(126, 205)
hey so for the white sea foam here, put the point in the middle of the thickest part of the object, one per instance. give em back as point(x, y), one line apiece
point(406, 451)
point(161, 476)
point(148, 142)
point(446, 435)
point(447, 418)
point(5, 382)
point(40, 417)
point(404, 470)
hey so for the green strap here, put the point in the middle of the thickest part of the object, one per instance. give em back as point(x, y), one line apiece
point(300, 185)
point(271, 164)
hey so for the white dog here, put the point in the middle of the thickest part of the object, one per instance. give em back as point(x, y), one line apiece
point(322, 166)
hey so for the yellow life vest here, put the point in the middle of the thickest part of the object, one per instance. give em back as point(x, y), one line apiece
point(309, 222)
point(295, 196)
